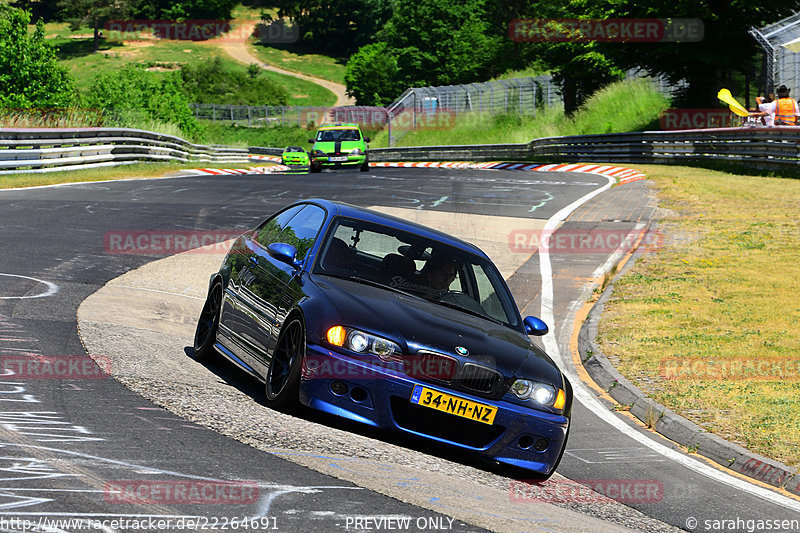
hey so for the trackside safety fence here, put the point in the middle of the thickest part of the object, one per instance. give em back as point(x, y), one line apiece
point(50, 149)
point(769, 148)
point(45, 150)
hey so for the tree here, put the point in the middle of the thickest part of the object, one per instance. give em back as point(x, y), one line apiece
point(197, 9)
point(335, 27)
point(427, 42)
point(371, 75)
point(94, 13)
point(440, 42)
point(581, 68)
point(726, 45)
point(30, 75)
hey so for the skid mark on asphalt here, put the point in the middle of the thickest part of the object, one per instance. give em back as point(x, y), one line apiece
point(47, 463)
point(465, 498)
point(616, 455)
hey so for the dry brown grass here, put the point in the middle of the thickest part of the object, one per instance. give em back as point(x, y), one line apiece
point(717, 302)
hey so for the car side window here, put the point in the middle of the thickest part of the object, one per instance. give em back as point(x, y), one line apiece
point(269, 230)
point(302, 229)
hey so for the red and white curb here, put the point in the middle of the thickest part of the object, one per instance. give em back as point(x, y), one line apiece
point(621, 174)
point(273, 158)
point(232, 171)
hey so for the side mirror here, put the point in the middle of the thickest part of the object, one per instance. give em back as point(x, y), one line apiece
point(535, 326)
point(366, 139)
point(285, 253)
point(312, 141)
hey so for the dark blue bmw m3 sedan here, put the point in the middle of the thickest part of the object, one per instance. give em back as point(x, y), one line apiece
point(391, 324)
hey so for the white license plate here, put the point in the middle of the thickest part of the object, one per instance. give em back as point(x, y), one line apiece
point(338, 158)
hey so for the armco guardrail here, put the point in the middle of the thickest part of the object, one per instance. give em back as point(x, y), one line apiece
point(485, 152)
point(771, 148)
point(51, 149)
point(43, 150)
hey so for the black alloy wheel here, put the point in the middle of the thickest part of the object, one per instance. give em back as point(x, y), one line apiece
point(283, 378)
point(206, 333)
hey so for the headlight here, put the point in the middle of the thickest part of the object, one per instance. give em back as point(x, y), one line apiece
point(541, 393)
point(356, 151)
point(360, 342)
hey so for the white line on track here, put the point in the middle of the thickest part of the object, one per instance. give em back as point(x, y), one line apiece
point(52, 288)
point(585, 396)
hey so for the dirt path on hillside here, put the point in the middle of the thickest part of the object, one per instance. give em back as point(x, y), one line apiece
point(235, 44)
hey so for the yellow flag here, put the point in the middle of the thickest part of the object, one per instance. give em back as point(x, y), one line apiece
point(736, 107)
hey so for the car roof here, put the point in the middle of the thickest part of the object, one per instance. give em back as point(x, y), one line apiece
point(361, 213)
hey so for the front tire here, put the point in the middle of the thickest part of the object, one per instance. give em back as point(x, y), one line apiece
point(283, 377)
point(206, 332)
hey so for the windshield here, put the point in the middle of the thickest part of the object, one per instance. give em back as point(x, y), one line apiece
point(416, 265)
point(338, 135)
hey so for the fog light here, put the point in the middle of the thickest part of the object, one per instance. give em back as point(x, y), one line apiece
point(541, 445)
point(358, 394)
point(339, 388)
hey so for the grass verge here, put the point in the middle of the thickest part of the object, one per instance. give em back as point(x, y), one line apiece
point(707, 324)
point(135, 171)
point(631, 105)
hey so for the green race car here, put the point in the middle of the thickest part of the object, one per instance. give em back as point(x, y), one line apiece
point(341, 145)
point(295, 156)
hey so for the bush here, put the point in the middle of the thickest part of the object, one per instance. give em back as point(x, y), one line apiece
point(216, 82)
point(133, 92)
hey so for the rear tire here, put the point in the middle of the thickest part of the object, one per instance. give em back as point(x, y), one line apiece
point(283, 377)
point(206, 332)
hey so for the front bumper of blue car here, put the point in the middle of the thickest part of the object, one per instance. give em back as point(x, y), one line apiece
point(381, 396)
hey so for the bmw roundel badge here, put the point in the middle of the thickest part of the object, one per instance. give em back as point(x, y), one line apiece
point(462, 351)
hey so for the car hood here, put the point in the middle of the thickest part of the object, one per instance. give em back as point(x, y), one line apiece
point(416, 324)
point(330, 146)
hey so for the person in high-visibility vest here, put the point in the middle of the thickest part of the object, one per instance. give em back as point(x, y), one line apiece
point(784, 108)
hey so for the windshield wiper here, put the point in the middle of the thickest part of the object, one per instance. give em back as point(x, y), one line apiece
point(457, 307)
point(369, 282)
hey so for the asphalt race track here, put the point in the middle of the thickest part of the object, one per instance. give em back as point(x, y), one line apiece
point(67, 443)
